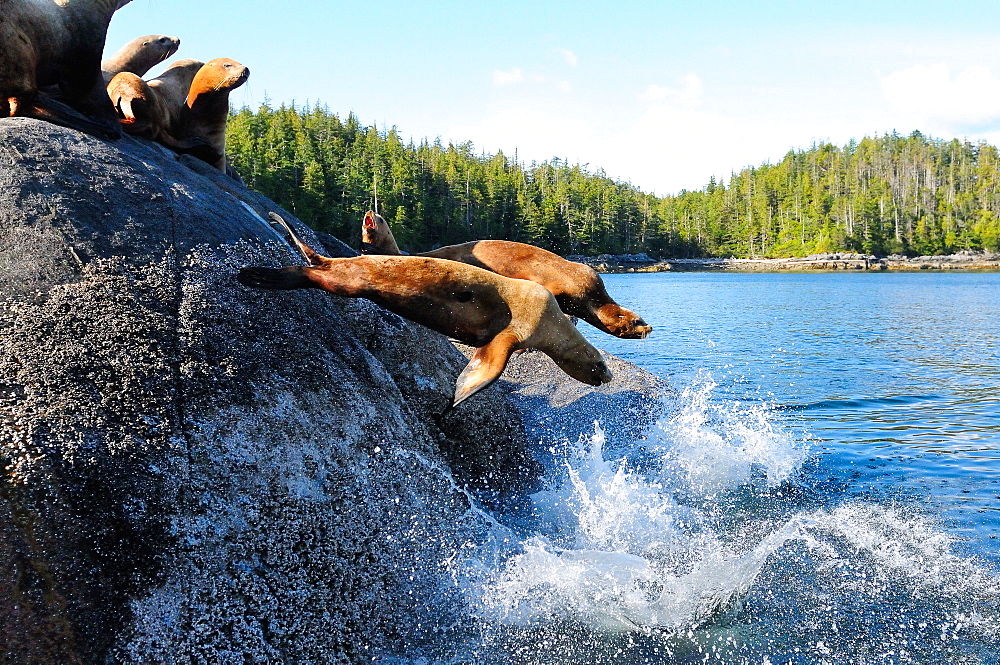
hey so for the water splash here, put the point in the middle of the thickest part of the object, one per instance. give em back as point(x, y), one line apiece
point(651, 553)
point(616, 550)
point(715, 447)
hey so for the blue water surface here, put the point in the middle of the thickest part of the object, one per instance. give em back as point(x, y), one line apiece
point(894, 376)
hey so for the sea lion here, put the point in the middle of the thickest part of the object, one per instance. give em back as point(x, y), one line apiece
point(140, 55)
point(208, 104)
point(56, 43)
point(577, 288)
point(376, 236)
point(153, 109)
point(477, 307)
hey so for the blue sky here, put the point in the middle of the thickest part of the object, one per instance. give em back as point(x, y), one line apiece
point(662, 94)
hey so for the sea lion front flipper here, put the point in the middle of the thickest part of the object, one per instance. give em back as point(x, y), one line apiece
point(486, 366)
point(305, 250)
point(193, 146)
point(282, 279)
point(45, 108)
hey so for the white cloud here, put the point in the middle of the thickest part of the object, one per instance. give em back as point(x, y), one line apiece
point(932, 98)
point(688, 93)
point(659, 146)
point(568, 56)
point(537, 132)
point(515, 75)
point(564, 86)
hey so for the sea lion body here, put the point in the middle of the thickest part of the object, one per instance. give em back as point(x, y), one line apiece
point(156, 109)
point(577, 288)
point(47, 43)
point(496, 314)
point(207, 111)
point(140, 55)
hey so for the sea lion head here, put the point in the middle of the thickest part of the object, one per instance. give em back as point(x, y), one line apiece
point(581, 360)
point(160, 47)
point(220, 74)
point(622, 322)
point(376, 236)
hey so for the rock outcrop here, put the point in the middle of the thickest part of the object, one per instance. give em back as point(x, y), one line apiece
point(199, 472)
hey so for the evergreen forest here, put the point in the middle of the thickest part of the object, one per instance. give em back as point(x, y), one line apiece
point(882, 195)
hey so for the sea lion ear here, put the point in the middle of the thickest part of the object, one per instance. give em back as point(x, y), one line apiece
point(485, 367)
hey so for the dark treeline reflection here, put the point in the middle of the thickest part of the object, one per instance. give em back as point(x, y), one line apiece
point(882, 195)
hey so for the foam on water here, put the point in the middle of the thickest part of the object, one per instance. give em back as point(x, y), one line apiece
point(614, 547)
point(649, 553)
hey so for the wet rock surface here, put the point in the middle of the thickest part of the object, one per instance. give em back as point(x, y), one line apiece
point(195, 471)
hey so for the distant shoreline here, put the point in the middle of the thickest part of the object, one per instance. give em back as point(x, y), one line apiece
point(631, 263)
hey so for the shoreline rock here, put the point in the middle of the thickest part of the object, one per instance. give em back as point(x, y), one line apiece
point(834, 261)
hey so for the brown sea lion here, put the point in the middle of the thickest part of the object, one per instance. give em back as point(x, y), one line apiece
point(152, 109)
point(140, 55)
point(577, 288)
point(56, 43)
point(376, 236)
point(208, 104)
point(477, 307)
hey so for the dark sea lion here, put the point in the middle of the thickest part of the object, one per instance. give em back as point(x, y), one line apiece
point(152, 109)
point(577, 288)
point(477, 307)
point(56, 43)
point(140, 55)
point(208, 104)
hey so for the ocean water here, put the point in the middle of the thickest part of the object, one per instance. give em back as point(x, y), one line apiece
point(824, 487)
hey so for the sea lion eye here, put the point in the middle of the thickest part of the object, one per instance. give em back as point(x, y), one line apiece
point(465, 296)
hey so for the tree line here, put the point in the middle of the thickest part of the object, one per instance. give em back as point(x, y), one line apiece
point(885, 194)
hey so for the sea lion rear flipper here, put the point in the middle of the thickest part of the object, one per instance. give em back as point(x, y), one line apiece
point(307, 252)
point(284, 279)
point(486, 366)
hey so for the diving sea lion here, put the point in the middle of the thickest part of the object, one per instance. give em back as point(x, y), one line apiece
point(477, 307)
point(152, 109)
point(140, 55)
point(56, 42)
point(208, 104)
point(577, 288)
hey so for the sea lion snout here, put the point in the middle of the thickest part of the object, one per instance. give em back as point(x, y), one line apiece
point(637, 329)
point(622, 322)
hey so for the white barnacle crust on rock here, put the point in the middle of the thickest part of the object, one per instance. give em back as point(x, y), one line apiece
point(195, 471)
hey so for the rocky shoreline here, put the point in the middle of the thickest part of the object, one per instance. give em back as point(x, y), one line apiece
point(195, 471)
point(627, 263)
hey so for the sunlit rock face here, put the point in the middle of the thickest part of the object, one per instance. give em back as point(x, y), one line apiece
point(198, 472)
